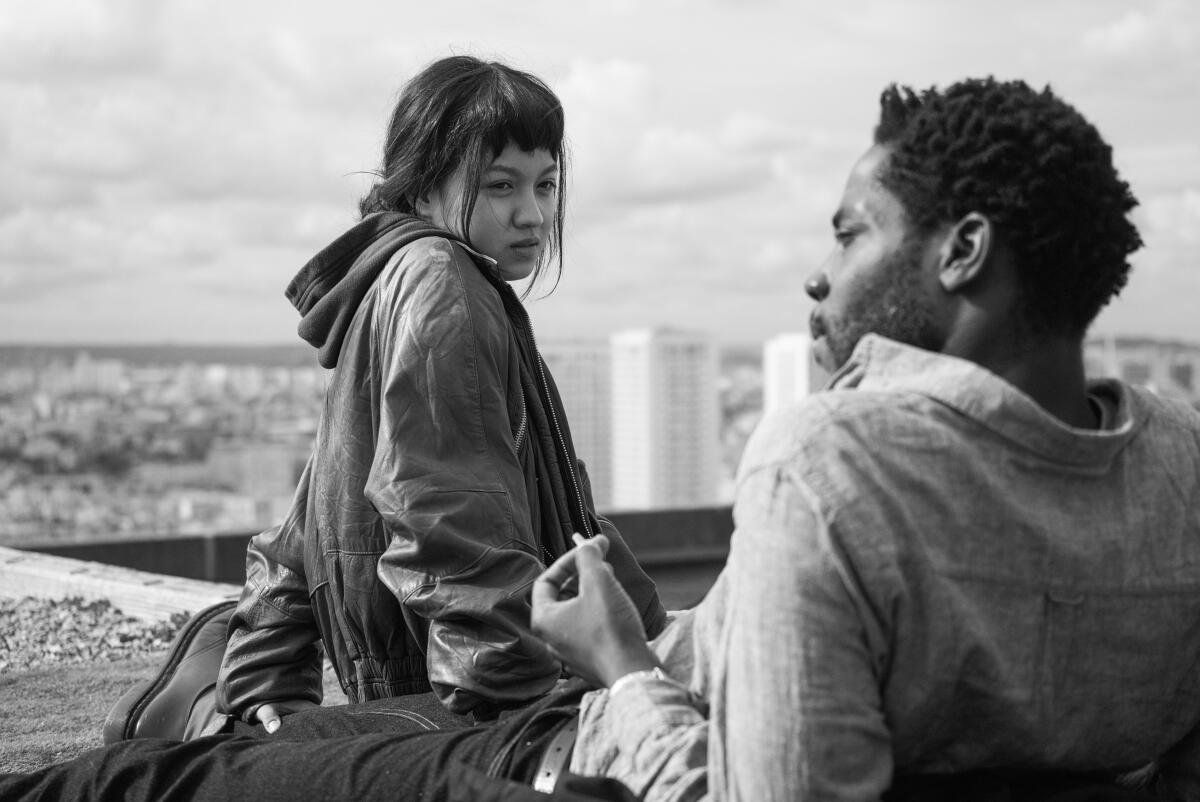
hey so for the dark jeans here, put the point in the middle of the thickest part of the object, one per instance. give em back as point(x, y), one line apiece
point(384, 750)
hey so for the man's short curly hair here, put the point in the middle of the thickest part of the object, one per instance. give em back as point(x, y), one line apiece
point(1033, 166)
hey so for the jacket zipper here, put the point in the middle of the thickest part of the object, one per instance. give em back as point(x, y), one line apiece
point(523, 426)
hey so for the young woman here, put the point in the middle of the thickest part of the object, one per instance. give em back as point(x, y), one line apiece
point(443, 479)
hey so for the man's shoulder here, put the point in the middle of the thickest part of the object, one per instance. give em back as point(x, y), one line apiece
point(1169, 410)
point(1166, 419)
point(835, 421)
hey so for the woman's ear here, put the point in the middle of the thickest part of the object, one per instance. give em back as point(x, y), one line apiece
point(422, 207)
point(965, 251)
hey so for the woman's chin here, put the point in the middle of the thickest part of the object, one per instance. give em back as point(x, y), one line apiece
point(515, 271)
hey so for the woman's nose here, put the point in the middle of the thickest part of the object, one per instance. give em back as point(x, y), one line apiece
point(528, 213)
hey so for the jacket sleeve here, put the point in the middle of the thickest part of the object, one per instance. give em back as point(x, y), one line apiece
point(448, 485)
point(273, 652)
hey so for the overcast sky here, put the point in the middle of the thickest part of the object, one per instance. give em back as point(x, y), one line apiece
point(165, 166)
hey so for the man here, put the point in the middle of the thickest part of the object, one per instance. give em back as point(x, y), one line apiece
point(963, 572)
point(963, 556)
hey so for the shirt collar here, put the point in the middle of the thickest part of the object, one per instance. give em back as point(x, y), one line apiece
point(880, 364)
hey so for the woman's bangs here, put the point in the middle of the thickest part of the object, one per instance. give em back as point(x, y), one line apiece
point(529, 118)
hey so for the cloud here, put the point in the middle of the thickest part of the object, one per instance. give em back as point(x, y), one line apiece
point(1131, 32)
point(631, 167)
point(226, 144)
point(683, 224)
point(207, 149)
point(625, 154)
point(1145, 57)
point(1166, 24)
point(81, 40)
point(1172, 220)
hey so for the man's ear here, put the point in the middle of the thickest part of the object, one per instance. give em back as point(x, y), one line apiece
point(965, 251)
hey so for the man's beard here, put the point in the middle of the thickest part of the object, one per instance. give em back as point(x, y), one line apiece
point(895, 306)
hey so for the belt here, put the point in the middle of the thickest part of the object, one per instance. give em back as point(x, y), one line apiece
point(557, 756)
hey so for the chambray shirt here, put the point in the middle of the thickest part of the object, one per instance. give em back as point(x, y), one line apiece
point(929, 573)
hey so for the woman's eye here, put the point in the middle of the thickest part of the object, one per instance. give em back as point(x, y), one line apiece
point(500, 185)
point(548, 186)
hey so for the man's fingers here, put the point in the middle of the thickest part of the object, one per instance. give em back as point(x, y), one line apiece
point(560, 581)
point(561, 568)
point(545, 591)
point(566, 566)
point(590, 555)
point(600, 542)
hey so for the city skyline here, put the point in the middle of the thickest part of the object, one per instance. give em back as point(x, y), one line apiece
point(100, 445)
point(167, 171)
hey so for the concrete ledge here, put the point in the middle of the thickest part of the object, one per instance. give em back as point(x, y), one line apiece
point(150, 597)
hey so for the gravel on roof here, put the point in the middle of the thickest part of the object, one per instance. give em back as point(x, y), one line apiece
point(40, 632)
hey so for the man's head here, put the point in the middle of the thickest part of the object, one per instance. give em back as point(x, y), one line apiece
point(958, 181)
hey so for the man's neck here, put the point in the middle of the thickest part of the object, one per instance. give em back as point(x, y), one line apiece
point(1049, 371)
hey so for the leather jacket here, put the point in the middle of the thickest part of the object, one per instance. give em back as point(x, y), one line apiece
point(442, 482)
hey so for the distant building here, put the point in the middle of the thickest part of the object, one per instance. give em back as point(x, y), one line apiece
point(665, 419)
point(789, 370)
point(1168, 367)
point(260, 470)
point(582, 369)
point(97, 375)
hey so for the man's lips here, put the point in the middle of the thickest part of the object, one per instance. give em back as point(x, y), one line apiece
point(816, 326)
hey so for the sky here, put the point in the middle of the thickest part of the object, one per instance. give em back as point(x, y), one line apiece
point(167, 165)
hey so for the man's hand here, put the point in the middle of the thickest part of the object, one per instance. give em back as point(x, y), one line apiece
point(269, 714)
point(597, 633)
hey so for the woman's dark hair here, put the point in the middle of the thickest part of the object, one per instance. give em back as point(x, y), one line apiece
point(1037, 169)
point(464, 111)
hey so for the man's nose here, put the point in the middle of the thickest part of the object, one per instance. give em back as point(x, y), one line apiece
point(817, 286)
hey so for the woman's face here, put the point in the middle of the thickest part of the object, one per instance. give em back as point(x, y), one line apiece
point(514, 211)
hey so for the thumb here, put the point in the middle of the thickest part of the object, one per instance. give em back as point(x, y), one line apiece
point(269, 718)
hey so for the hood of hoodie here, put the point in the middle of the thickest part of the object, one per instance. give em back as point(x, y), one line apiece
point(329, 288)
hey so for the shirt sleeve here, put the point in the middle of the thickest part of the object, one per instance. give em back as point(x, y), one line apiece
point(796, 707)
point(447, 482)
point(788, 653)
point(652, 736)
